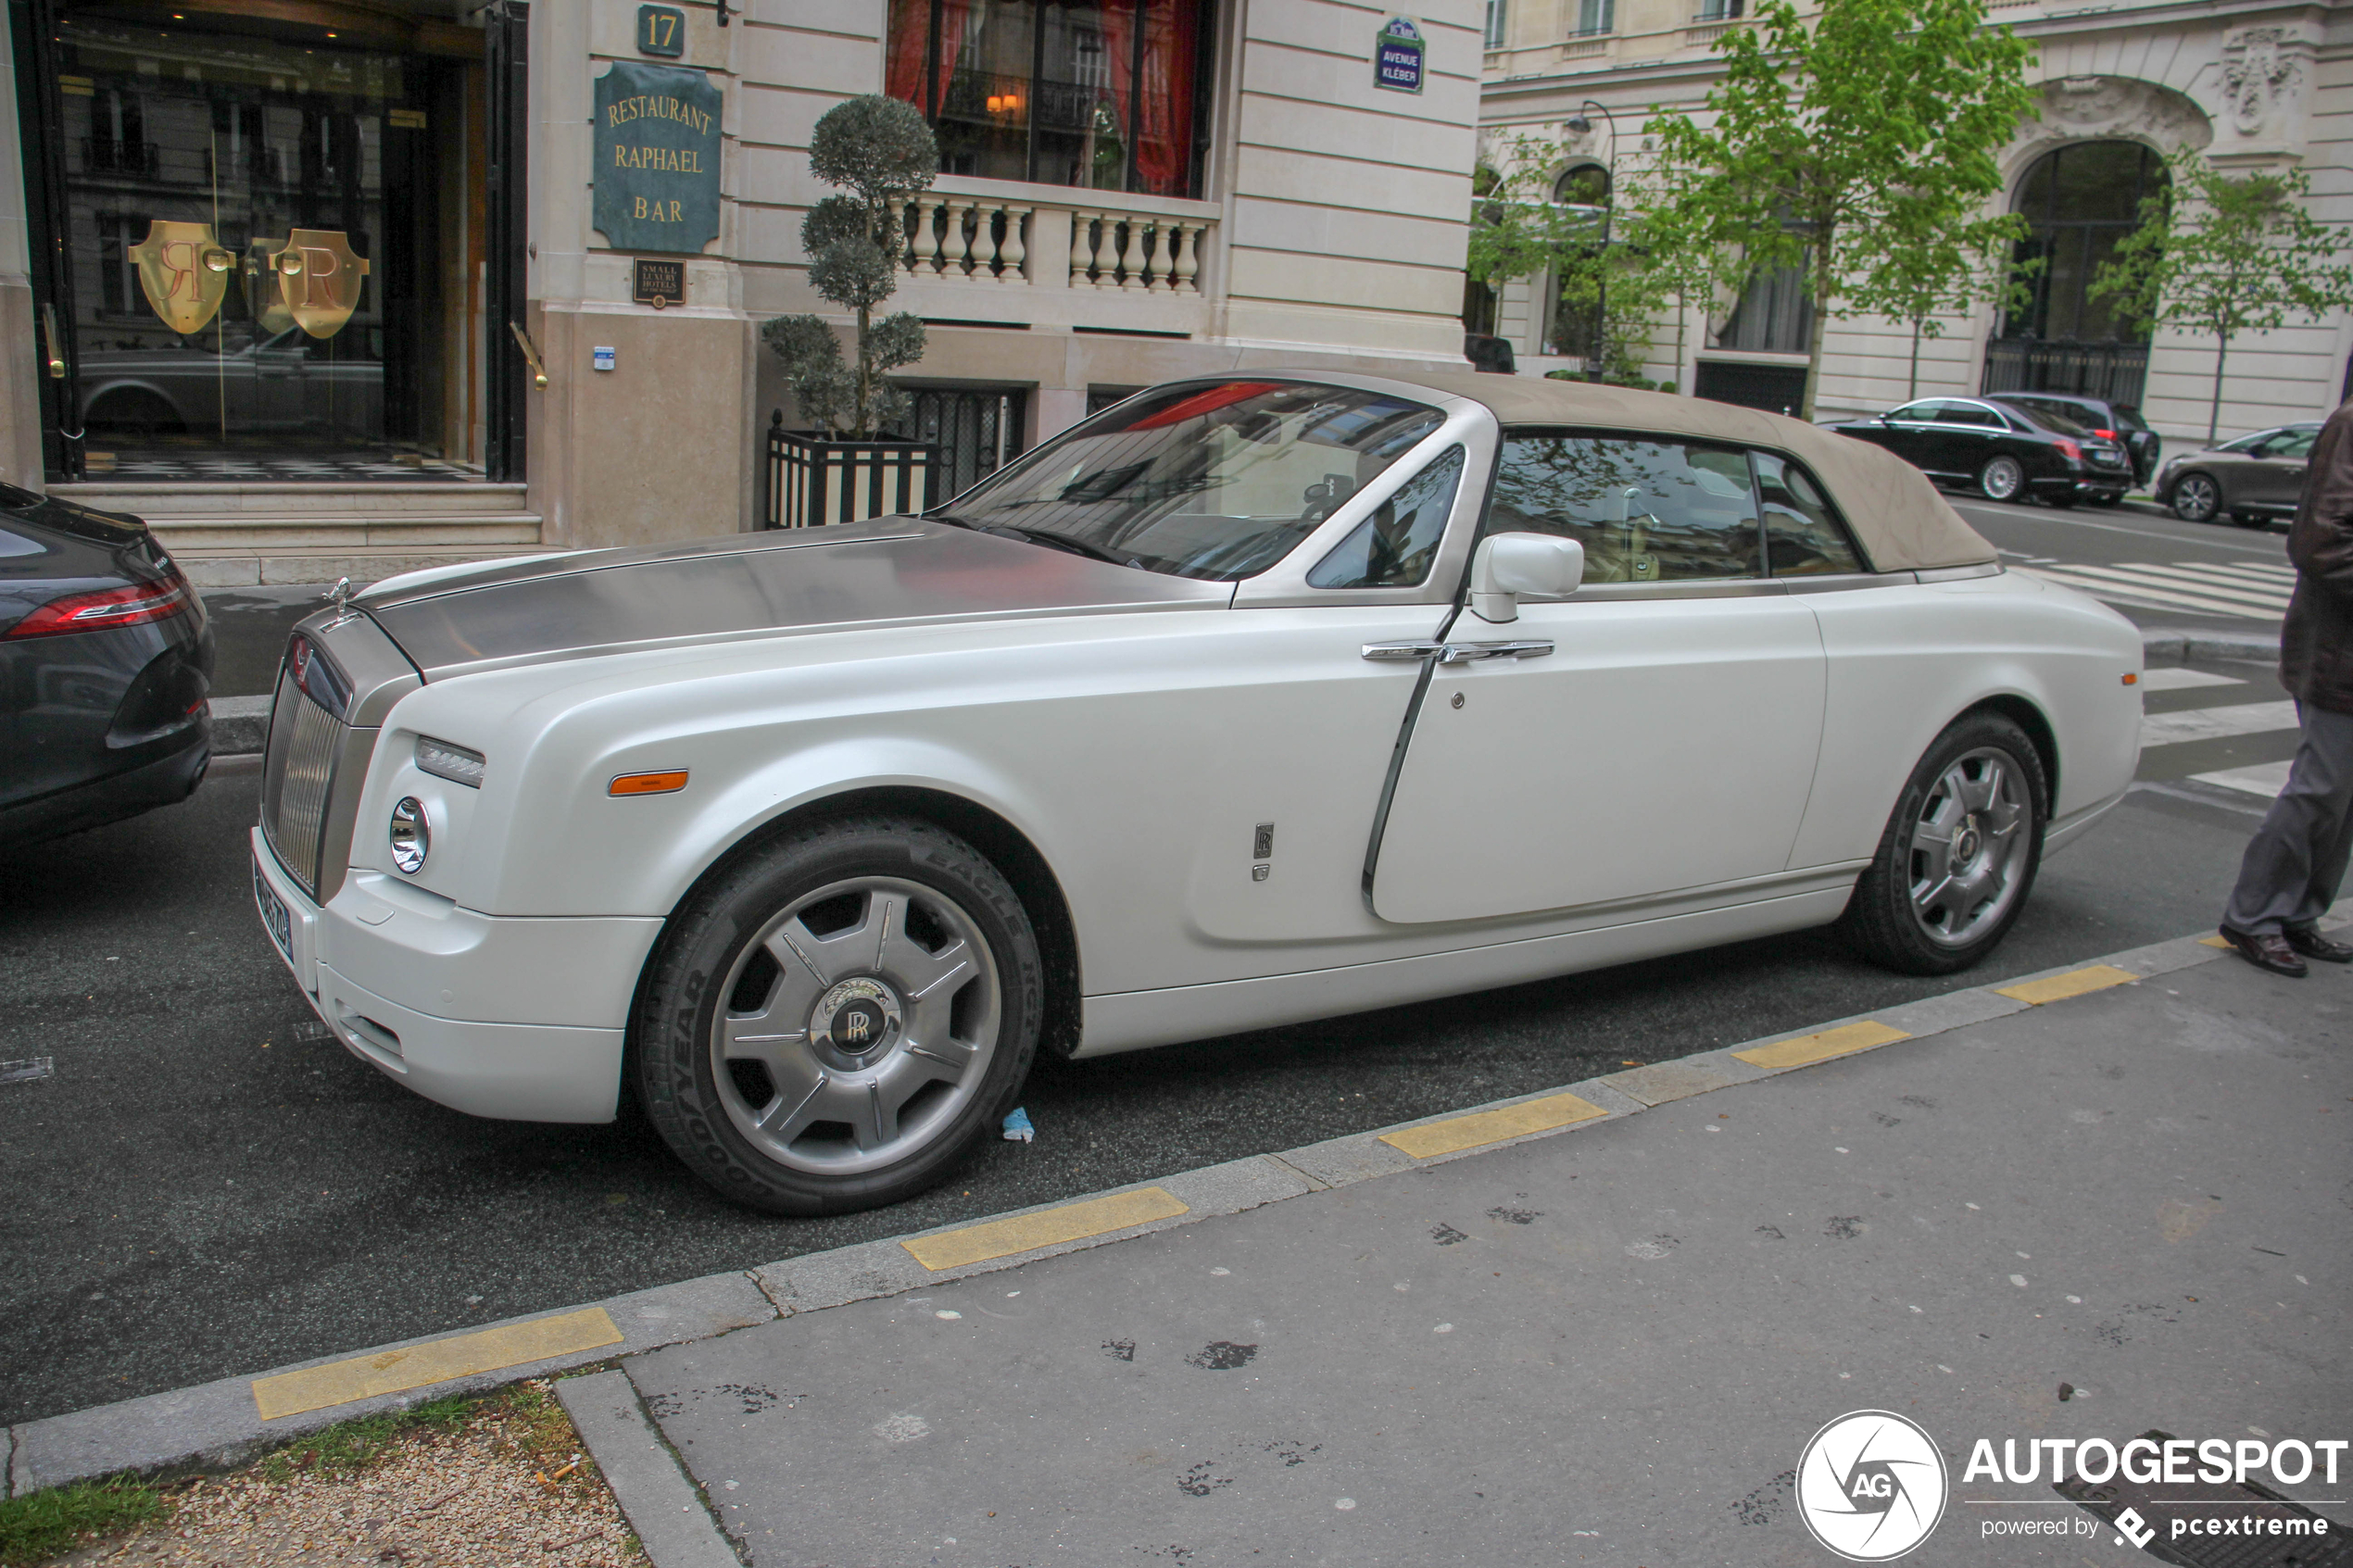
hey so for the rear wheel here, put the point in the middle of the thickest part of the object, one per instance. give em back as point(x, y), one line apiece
point(2000, 479)
point(834, 1021)
point(1958, 855)
point(2197, 497)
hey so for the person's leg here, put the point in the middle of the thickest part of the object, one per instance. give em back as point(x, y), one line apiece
point(2330, 735)
point(2284, 860)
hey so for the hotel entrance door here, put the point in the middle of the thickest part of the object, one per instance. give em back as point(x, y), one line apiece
point(269, 247)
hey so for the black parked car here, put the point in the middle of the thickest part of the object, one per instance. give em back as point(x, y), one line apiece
point(105, 662)
point(2005, 452)
point(2111, 422)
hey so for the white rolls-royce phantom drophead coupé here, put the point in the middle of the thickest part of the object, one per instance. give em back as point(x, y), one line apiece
point(1255, 698)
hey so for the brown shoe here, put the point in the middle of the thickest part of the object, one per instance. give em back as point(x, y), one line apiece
point(2307, 940)
point(2267, 950)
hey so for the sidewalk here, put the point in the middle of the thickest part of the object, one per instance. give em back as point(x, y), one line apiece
point(1597, 1325)
point(1611, 1347)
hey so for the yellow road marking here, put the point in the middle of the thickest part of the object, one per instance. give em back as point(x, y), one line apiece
point(1808, 1049)
point(1459, 1133)
point(2058, 988)
point(2214, 941)
point(1025, 1233)
point(390, 1372)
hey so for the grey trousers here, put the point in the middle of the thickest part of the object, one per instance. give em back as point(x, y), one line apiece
point(2296, 862)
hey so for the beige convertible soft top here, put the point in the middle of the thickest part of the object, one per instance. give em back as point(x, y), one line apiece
point(1899, 519)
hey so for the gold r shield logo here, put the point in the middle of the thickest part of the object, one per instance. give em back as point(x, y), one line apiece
point(183, 272)
point(316, 279)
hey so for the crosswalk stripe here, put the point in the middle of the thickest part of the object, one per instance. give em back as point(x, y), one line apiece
point(2139, 594)
point(2181, 677)
point(2266, 779)
point(2214, 724)
point(2253, 592)
point(2268, 572)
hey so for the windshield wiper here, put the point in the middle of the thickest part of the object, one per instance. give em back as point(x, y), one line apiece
point(1052, 542)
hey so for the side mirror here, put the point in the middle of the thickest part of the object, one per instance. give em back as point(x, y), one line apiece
point(1508, 565)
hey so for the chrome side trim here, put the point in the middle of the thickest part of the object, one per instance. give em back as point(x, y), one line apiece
point(1844, 581)
point(1723, 588)
point(1956, 573)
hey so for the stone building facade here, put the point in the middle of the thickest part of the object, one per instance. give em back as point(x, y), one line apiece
point(323, 287)
point(2251, 85)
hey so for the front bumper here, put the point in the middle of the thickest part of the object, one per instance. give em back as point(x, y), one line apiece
point(518, 1019)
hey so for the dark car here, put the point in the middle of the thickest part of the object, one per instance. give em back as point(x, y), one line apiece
point(2252, 479)
point(106, 659)
point(2107, 421)
point(2005, 452)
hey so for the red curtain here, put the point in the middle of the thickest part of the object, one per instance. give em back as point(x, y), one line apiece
point(911, 42)
point(1165, 103)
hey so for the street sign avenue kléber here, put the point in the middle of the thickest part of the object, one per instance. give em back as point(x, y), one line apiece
point(1397, 56)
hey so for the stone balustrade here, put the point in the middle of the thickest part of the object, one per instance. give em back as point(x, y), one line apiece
point(1009, 241)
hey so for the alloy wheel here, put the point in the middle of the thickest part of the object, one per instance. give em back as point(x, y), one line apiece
point(1969, 847)
point(857, 1026)
point(2196, 498)
point(2001, 478)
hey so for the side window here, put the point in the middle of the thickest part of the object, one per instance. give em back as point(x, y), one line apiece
point(1802, 534)
point(1969, 414)
point(2295, 443)
point(1647, 510)
point(1394, 548)
point(1926, 408)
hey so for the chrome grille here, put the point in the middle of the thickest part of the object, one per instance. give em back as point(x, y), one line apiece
point(298, 773)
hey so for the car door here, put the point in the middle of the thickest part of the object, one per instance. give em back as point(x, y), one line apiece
point(2274, 471)
point(1653, 733)
point(1907, 431)
point(1966, 433)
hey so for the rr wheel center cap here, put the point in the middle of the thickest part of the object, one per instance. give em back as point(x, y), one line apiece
point(1967, 842)
point(855, 1020)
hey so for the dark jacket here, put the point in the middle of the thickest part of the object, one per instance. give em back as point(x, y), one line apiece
point(2316, 645)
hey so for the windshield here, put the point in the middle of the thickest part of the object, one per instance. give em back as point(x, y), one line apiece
point(1217, 483)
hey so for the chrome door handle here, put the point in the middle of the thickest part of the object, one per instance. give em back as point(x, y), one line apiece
point(1468, 653)
point(1411, 650)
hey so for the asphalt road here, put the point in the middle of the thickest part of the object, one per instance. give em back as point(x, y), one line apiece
point(208, 1185)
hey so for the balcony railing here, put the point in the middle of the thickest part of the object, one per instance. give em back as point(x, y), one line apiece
point(993, 240)
point(104, 154)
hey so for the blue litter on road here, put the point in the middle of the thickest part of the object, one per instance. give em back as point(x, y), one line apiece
point(1017, 1127)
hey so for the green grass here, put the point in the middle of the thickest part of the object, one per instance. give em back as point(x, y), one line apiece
point(348, 1447)
point(44, 1523)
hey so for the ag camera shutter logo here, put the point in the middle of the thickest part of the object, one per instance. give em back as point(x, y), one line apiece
point(1872, 1486)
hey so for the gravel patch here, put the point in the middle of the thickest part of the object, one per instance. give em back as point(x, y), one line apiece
point(500, 1482)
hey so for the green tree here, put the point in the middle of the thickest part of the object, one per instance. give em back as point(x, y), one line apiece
point(1673, 260)
point(1946, 267)
point(1521, 228)
point(2223, 255)
point(1825, 145)
point(880, 150)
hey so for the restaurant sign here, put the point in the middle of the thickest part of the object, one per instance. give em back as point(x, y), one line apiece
point(656, 158)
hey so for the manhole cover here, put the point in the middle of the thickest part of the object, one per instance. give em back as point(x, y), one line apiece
point(2209, 1524)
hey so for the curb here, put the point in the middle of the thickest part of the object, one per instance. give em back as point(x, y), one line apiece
point(219, 1424)
point(240, 725)
point(2182, 645)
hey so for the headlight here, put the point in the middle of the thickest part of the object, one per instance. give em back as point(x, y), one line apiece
point(410, 838)
point(455, 763)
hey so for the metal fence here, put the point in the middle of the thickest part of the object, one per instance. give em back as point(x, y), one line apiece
point(977, 430)
point(2116, 371)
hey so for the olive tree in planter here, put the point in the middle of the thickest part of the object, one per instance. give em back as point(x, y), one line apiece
point(844, 467)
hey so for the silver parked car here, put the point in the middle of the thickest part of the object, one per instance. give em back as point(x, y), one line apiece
point(2251, 480)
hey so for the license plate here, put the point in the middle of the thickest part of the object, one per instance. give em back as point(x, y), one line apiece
point(273, 912)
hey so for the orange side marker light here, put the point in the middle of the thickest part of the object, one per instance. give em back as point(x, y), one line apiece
point(648, 784)
point(2131, 680)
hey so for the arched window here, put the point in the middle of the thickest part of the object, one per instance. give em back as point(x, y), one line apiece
point(2079, 200)
point(1586, 185)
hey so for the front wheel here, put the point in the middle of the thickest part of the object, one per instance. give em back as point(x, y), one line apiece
point(2000, 479)
point(2196, 498)
point(835, 1021)
point(1958, 855)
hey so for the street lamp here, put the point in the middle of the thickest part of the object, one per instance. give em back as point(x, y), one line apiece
point(1581, 122)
